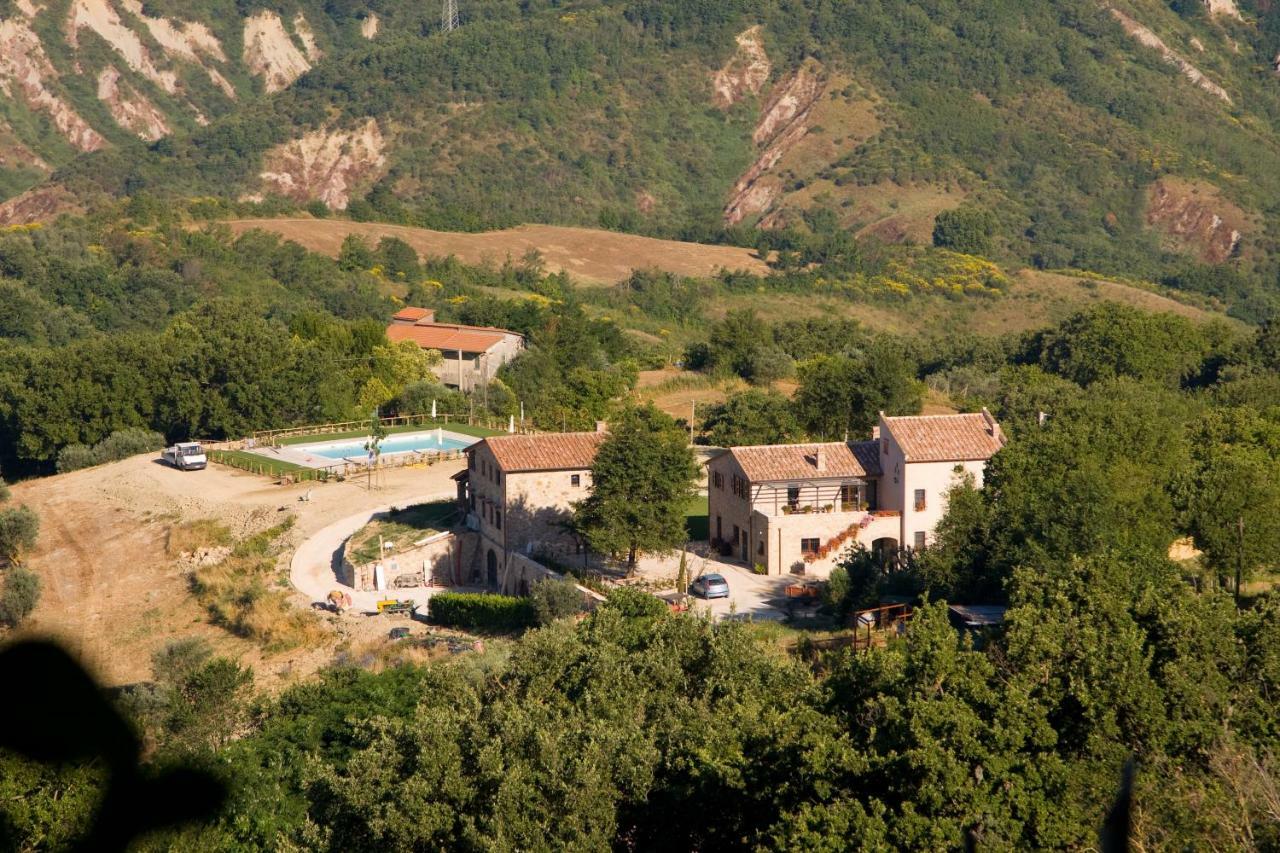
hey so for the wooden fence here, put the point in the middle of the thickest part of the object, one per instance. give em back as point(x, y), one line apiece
point(273, 436)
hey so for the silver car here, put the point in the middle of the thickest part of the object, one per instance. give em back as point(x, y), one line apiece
point(710, 586)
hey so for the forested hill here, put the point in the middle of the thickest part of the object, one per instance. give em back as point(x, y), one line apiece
point(1134, 136)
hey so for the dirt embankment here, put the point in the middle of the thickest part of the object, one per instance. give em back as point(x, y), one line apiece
point(130, 108)
point(38, 205)
point(100, 16)
point(600, 257)
point(270, 53)
point(27, 75)
point(326, 165)
point(1145, 37)
point(190, 41)
point(1195, 217)
point(746, 72)
point(114, 591)
point(784, 122)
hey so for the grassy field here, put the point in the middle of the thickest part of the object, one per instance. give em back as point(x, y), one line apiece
point(594, 256)
point(1034, 300)
point(697, 519)
point(462, 429)
point(261, 464)
point(400, 527)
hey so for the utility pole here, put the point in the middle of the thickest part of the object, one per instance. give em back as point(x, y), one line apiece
point(449, 16)
point(693, 413)
point(1239, 558)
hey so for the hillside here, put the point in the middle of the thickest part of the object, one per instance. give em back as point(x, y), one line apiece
point(1121, 136)
point(589, 255)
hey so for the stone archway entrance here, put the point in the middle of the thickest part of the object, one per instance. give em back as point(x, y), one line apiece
point(491, 568)
point(885, 551)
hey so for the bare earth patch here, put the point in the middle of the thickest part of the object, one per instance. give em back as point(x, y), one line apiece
point(114, 591)
point(599, 257)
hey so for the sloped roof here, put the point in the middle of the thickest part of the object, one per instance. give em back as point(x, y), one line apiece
point(564, 451)
point(441, 337)
point(947, 438)
point(412, 313)
point(773, 462)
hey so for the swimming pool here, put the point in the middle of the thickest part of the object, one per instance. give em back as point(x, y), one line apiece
point(412, 442)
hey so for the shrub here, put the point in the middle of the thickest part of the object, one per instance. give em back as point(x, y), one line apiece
point(19, 596)
point(73, 457)
point(476, 610)
point(19, 527)
point(635, 604)
point(121, 444)
point(124, 443)
point(965, 229)
point(554, 599)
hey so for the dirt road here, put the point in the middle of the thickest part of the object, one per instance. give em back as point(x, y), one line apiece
point(114, 595)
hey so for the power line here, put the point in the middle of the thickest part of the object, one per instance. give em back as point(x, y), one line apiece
point(449, 16)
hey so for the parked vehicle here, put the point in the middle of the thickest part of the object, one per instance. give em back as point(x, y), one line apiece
point(710, 586)
point(187, 456)
point(397, 605)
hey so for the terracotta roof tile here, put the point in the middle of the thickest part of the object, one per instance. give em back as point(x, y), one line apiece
point(773, 462)
point(412, 313)
point(947, 438)
point(566, 451)
point(444, 337)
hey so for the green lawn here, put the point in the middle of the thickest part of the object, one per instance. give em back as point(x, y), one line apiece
point(462, 429)
point(402, 527)
point(696, 520)
point(258, 464)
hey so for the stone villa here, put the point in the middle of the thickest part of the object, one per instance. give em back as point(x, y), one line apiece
point(517, 491)
point(795, 508)
point(472, 354)
point(789, 508)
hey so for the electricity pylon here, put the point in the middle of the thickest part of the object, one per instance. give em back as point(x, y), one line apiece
point(449, 16)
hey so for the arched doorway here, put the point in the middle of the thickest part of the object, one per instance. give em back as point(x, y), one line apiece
point(492, 568)
point(885, 551)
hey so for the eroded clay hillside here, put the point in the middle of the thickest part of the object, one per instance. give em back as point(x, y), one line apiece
point(1127, 136)
point(79, 76)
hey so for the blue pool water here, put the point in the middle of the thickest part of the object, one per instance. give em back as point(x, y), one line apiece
point(405, 443)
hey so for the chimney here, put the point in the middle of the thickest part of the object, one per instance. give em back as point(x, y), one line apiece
point(820, 459)
point(602, 426)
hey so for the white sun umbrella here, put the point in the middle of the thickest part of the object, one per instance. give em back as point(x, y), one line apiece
point(433, 410)
point(511, 424)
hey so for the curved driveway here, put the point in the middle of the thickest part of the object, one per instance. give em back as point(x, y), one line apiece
point(314, 568)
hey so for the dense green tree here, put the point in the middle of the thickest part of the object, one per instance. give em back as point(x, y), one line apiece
point(399, 260)
point(753, 417)
point(355, 254)
point(965, 229)
point(741, 344)
point(1230, 496)
point(198, 700)
point(1113, 340)
point(641, 482)
point(842, 394)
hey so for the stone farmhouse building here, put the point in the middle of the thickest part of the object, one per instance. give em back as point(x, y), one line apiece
point(472, 354)
point(796, 508)
point(517, 493)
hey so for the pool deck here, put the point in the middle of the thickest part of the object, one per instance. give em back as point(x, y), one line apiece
point(300, 454)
